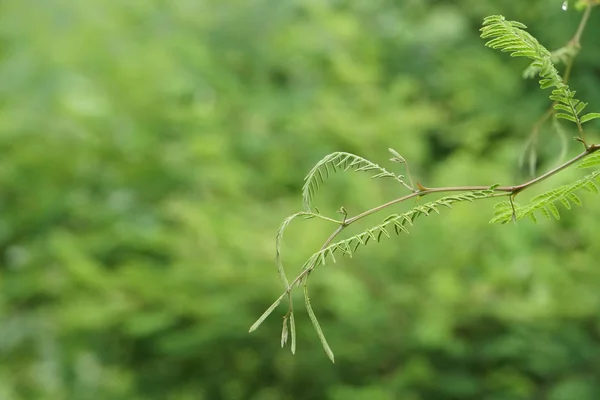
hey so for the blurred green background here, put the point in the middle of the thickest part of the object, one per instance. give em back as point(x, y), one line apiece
point(150, 149)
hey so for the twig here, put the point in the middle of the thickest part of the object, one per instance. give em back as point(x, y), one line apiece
point(507, 190)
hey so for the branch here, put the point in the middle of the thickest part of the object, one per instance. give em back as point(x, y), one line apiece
point(508, 36)
point(502, 190)
point(511, 191)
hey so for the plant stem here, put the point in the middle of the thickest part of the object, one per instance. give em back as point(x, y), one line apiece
point(586, 16)
point(505, 190)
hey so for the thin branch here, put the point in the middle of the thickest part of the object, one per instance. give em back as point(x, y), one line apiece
point(589, 150)
point(576, 41)
point(420, 191)
point(504, 190)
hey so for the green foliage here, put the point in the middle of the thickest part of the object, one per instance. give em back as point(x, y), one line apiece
point(339, 161)
point(590, 162)
point(399, 222)
point(510, 36)
point(315, 322)
point(507, 36)
point(562, 55)
point(545, 203)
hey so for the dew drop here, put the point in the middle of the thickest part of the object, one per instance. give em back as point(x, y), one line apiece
point(565, 5)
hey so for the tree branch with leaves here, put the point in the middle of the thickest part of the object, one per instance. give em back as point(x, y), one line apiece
point(501, 34)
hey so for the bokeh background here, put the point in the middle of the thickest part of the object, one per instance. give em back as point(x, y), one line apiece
point(150, 149)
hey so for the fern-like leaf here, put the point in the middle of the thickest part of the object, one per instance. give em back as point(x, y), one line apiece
point(266, 314)
point(289, 326)
point(510, 36)
point(562, 55)
point(590, 161)
point(339, 161)
point(284, 330)
point(396, 223)
point(293, 330)
point(317, 326)
point(545, 203)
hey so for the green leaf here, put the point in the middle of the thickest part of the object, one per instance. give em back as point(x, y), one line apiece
point(565, 202)
point(579, 108)
point(590, 161)
point(510, 36)
point(338, 161)
point(559, 98)
point(546, 83)
point(284, 331)
point(397, 157)
point(293, 332)
point(566, 116)
point(316, 324)
point(267, 313)
point(562, 107)
point(545, 212)
point(544, 203)
point(591, 187)
point(574, 198)
point(589, 117)
point(553, 210)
